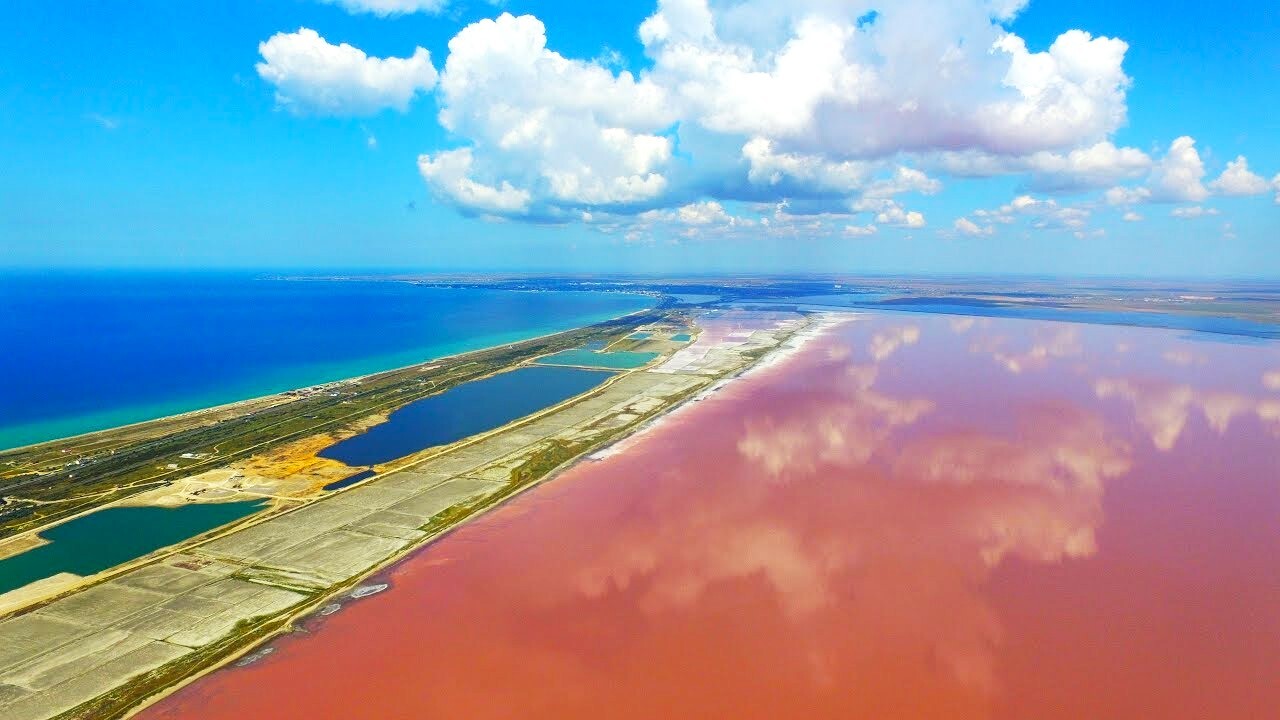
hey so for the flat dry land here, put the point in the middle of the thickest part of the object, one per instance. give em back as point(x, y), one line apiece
point(100, 651)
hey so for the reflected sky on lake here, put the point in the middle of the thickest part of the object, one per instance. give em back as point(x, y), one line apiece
point(914, 516)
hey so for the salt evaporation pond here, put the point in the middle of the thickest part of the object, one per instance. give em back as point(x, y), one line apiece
point(586, 357)
point(105, 538)
point(914, 516)
point(462, 411)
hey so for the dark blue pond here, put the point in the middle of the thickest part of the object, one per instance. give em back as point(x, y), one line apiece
point(463, 411)
point(349, 480)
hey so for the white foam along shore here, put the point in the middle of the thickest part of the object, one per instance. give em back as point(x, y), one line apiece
point(822, 324)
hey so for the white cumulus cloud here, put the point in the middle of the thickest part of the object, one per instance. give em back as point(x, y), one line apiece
point(772, 168)
point(824, 109)
point(1192, 212)
point(568, 133)
point(312, 76)
point(1127, 195)
point(920, 76)
point(903, 180)
point(1179, 175)
point(1040, 213)
point(449, 174)
point(968, 227)
point(386, 8)
point(1093, 166)
point(808, 101)
point(893, 214)
point(1237, 179)
point(706, 212)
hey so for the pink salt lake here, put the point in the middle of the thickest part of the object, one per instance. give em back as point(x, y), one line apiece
point(912, 517)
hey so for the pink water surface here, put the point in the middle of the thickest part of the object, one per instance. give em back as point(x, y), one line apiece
point(914, 517)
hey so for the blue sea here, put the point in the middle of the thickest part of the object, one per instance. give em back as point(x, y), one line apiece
point(88, 351)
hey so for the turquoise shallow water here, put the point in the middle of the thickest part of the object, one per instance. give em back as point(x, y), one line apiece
point(106, 538)
point(96, 350)
point(585, 357)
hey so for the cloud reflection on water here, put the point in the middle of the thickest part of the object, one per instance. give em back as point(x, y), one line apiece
point(859, 535)
point(1271, 380)
point(1047, 343)
point(1162, 408)
point(889, 524)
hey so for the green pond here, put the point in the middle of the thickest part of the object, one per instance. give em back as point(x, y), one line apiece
point(582, 357)
point(106, 538)
point(682, 337)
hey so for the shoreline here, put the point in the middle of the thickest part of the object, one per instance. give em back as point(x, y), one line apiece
point(290, 623)
point(282, 396)
point(34, 537)
point(153, 429)
point(775, 357)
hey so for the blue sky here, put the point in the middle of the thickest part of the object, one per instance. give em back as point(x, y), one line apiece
point(748, 136)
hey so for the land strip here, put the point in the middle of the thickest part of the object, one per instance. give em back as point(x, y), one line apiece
point(100, 651)
point(54, 481)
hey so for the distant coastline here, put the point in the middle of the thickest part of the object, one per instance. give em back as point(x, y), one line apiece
point(484, 318)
